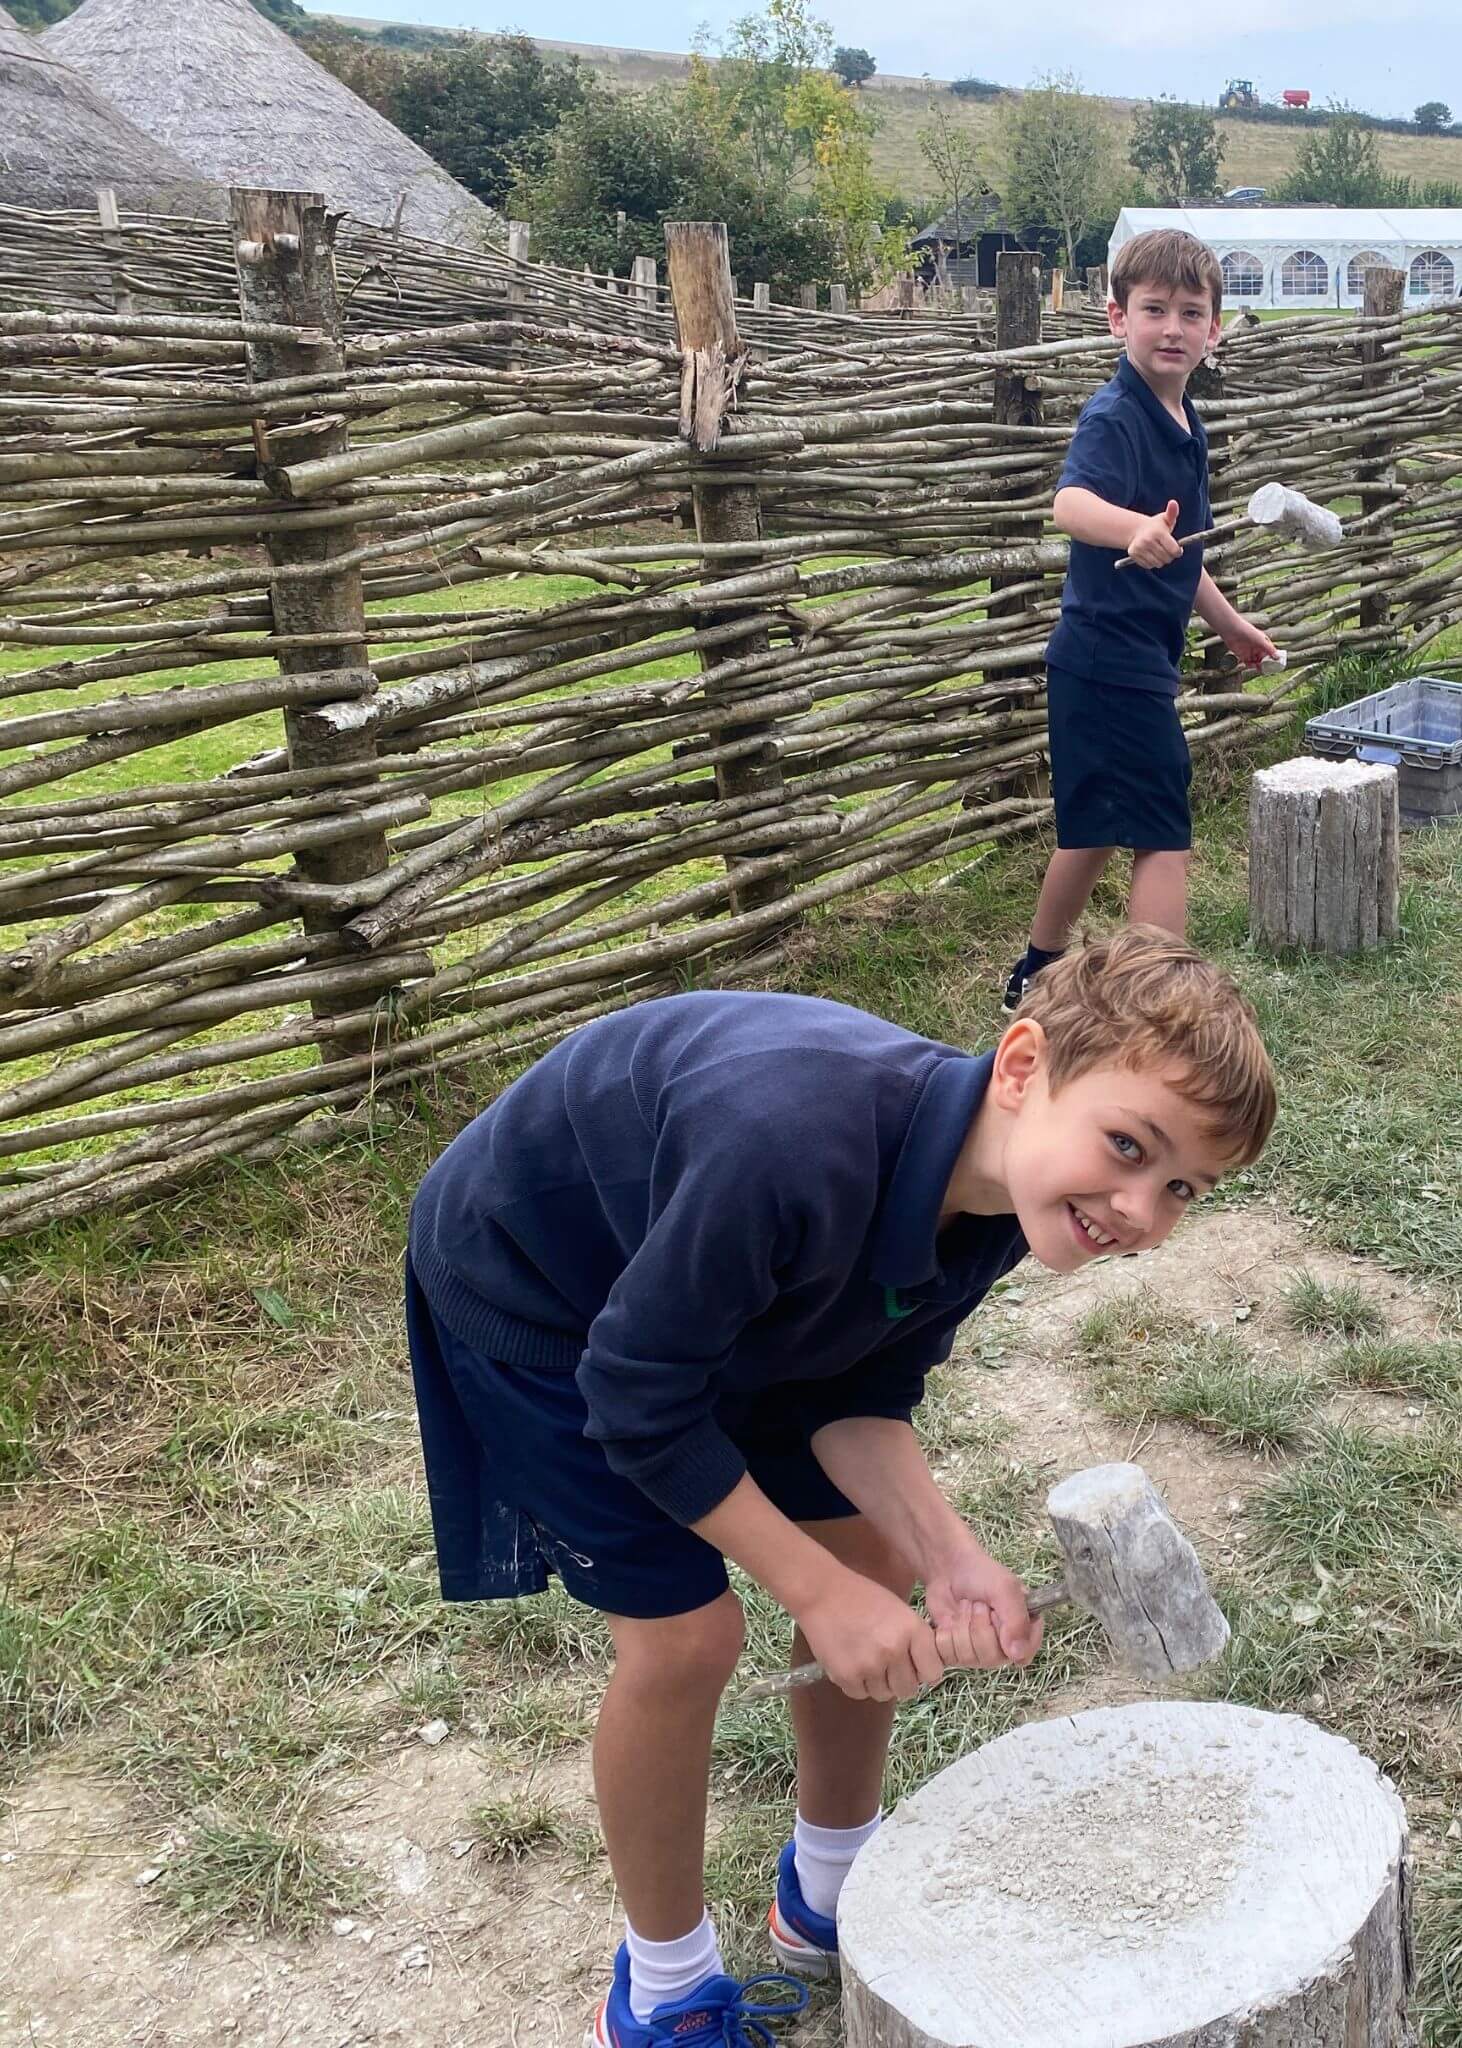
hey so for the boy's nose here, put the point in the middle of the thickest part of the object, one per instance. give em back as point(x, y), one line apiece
point(1137, 1208)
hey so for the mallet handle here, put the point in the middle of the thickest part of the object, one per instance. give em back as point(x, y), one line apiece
point(1185, 541)
point(1039, 1602)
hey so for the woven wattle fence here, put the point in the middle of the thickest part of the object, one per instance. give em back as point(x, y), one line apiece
point(800, 653)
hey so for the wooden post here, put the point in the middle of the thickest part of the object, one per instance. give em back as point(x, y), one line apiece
point(520, 234)
point(761, 298)
point(106, 207)
point(837, 298)
point(642, 291)
point(1385, 296)
point(808, 297)
point(698, 262)
point(1324, 855)
point(284, 254)
point(1174, 1873)
point(1096, 284)
point(1058, 290)
point(1014, 403)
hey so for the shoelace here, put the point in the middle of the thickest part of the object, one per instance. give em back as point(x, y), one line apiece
point(744, 2023)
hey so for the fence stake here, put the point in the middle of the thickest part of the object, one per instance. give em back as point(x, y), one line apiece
point(106, 207)
point(1385, 294)
point(284, 252)
point(699, 266)
point(837, 297)
point(1058, 290)
point(761, 298)
point(809, 298)
point(1096, 284)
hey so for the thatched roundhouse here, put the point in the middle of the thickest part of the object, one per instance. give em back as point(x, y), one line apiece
point(231, 92)
point(60, 141)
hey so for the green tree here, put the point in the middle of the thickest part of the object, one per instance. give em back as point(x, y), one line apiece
point(954, 157)
point(742, 98)
point(1337, 165)
point(1432, 115)
point(647, 155)
point(853, 66)
point(1059, 160)
point(1178, 148)
point(485, 108)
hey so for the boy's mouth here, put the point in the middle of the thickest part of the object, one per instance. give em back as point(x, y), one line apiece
point(1089, 1233)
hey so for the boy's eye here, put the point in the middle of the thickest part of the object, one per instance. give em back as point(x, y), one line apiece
point(1128, 1147)
point(1183, 1189)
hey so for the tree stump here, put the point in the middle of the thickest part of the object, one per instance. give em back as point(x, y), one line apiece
point(1324, 860)
point(1171, 1874)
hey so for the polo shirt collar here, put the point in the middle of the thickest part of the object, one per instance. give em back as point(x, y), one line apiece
point(904, 1243)
point(1132, 380)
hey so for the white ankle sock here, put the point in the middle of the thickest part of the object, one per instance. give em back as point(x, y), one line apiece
point(660, 1971)
point(824, 1857)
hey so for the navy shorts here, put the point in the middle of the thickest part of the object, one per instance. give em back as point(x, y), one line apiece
point(1119, 766)
point(518, 1491)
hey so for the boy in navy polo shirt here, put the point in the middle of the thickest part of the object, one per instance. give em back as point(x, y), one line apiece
point(672, 1299)
point(1135, 482)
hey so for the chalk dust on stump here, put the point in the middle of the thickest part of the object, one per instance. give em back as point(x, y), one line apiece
point(1170, 1874)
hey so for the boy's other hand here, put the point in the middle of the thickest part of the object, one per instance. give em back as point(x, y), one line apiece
point(979, 1612)
point(1152, 544)
point(871, 1644)
point(1245, 640)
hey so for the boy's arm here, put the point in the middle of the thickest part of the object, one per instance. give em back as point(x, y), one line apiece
point(1237, 633)
point(870, 1643)
point(878, 1464)
point(1095, 520)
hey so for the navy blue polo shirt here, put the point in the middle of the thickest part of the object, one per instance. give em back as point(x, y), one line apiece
point(1129, 628)
point(709, 1194)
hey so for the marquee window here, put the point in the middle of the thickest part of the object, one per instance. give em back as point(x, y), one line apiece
point(1305, 275)
point(1355, 271)
point(1243, 275)
point(1432, 275)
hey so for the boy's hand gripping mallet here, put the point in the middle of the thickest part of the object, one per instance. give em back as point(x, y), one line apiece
point(1286, 511)
point(1127, 1563)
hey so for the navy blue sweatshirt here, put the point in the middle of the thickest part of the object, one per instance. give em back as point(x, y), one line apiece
point(709, 1194)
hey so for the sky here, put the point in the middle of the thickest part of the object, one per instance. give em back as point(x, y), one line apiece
point(1385, 58)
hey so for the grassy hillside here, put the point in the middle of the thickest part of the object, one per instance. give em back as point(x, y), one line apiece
point(1255, 153)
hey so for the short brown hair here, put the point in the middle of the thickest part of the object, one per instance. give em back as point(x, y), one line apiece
point(1145, 1000)
point(1172, 258)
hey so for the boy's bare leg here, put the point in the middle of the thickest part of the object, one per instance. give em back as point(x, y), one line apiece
point(1160, 891)
point(1073, 873)
point(652, 1759)
point(842, 1743)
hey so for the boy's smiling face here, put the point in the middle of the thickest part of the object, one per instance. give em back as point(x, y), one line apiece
point(1167, 330)
point(1106, 1163)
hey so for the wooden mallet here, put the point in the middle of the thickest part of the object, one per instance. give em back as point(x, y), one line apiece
point(1284, 511)
point(1127, 1562)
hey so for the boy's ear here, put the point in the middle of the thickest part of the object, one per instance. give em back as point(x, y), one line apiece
point(1020, 1059)
point(1116, 318)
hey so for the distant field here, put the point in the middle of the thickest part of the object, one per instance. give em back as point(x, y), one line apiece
point(1255, 153)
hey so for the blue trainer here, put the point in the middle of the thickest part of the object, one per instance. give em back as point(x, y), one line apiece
point(805, 1941)
point(717, 2014)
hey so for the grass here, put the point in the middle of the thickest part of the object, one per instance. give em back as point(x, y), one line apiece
point(1316, 1308)
point(220, 1589)
point(1152, 1361)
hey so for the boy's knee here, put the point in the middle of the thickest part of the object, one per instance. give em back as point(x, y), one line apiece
point(855, 1542)
point(695, 1651)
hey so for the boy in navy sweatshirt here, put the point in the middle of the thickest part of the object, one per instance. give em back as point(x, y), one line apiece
point(1135, 482)
point(672, 1300)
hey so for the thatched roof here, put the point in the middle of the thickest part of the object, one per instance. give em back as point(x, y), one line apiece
point(59, 140)
point(216, 81)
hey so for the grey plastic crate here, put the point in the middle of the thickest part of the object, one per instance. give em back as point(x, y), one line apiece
point(1415, 727)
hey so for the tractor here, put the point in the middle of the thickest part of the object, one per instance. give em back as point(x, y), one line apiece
point(1239, 92)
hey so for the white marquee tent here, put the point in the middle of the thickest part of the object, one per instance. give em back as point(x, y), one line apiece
point(1315, 257)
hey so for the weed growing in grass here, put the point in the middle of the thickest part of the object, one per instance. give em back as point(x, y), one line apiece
point(1314, 1308)
point(507, 1830)
point(277, 1876)
point(1271, 1661)
point(1431, 1371)
point(540, 1719)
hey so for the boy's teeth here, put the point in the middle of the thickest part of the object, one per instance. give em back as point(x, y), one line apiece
point(1096, 1236)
